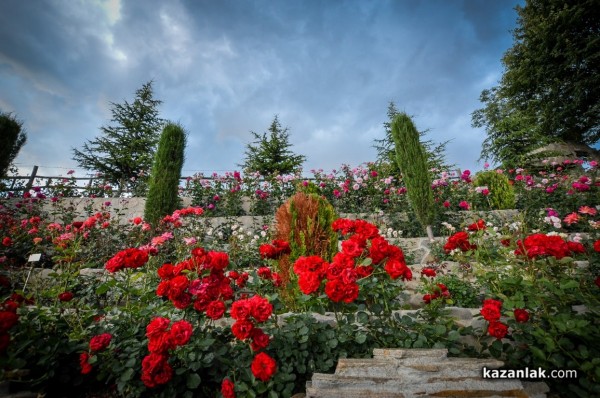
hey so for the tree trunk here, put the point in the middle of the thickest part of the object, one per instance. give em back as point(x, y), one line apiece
point(429, 233)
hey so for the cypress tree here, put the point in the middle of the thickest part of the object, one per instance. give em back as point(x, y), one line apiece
point(163, 196)
point(412, 161)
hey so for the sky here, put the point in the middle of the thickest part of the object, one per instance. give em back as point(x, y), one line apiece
point(327, 69)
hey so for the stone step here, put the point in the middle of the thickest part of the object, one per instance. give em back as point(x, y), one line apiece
point(409, 368)
point(398, 353)
point(405, 373)
point(327, 385)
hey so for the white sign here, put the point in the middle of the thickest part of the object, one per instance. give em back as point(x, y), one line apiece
point(34, 258)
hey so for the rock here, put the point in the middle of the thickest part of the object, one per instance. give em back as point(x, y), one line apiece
point(405, 373)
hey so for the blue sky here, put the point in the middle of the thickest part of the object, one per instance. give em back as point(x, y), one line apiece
point(223, 68)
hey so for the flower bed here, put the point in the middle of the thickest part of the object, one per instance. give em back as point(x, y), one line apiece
point(191, 309)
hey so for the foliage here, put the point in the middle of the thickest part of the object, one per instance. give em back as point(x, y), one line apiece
point(269, 153)
point(386, 152)
point(500, 194)
point(124, 152)
point(305, 222)
point(163, 193)
point(12, 139)
point(549, 90)
point(59, 316)
point(410, 157)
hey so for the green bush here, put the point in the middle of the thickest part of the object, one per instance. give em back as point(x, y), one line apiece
point(501, 193)
point(163, 196)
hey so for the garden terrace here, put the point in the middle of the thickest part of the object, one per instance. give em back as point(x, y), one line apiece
point(199, 304)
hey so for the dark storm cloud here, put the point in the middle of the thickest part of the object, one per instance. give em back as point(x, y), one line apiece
point(328, 69)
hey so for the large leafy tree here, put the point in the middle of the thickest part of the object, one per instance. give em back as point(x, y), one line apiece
point(550, 89)
point(124, 152)
point(386, 148)
point(12, 139)
point(270, 152)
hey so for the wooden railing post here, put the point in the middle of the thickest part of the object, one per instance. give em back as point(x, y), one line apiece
point(31, 179)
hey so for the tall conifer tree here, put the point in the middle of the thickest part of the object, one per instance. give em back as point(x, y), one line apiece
point(124, 152)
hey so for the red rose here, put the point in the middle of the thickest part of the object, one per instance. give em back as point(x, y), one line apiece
point(128, 258)
point(177, 286)
point(181, 332)
point(242, 329)
point(65, 296)
point(182, 301)
point(428, 297)
point(309, 282)
point(338, 291)
point(597, 281)
point(84, 363)
point(540, 245)
point(264, 272)
point(233, 275)
point(7, 320)
point(241, 310)
point(215, 309)
point(493, 303)
point(166, 272)
point(362, 271)
point(378, 250)
point(100, 342)
point(282, 246)
point(521, 315)
point(397, 269)
point(353, 247)
point(497, 330)
point(477, 226)
point(263, 366)
point(310, 264)
point(597, 245)
point(242, 279)
point(277, 281)
point(343, 225)
point(218, 261)
point(260, 340)
point(490, 313)
point(268, 251)
point(7, 241)
point(428, 272)
point(156, 370)
point(227, 389)
point(575, 247)
point(157, 327)
point(260, 308)
point(459, 240)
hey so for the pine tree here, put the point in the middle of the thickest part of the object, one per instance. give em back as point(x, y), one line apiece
point(386, 151)
point(412, 161)
point(125, 151)
point(163, 192)
point(12, 139)
point(269, 154)
point(549, 91)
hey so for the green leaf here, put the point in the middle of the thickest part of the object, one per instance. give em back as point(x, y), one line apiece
point(193, 381)
point(440, 329)
point(360, 338)
point(127, 375)
point(569, 284)
point(538, 353)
